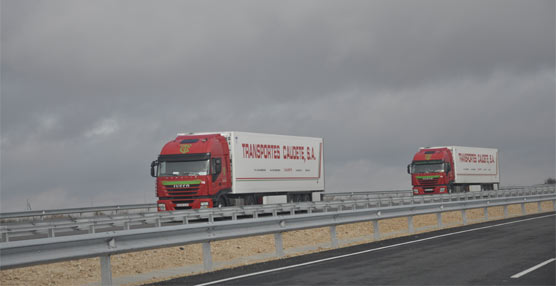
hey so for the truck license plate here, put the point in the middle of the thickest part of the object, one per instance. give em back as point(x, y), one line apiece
point(182, 205)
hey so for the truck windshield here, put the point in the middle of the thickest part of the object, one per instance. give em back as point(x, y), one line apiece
point(427, 168)
point(186, 168)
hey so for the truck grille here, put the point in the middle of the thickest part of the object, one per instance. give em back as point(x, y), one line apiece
point(183, 192)
point(428, 182)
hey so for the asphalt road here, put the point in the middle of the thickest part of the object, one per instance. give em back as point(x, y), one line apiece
point(482, 254)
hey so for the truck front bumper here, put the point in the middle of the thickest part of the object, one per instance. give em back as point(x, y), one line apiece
point(418, 190)
point(199, 203)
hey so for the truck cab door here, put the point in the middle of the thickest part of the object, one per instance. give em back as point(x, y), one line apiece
point(216, 168)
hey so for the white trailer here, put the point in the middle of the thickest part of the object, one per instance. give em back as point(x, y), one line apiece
point(475, 165)
point(477, 168)
point(276, 166)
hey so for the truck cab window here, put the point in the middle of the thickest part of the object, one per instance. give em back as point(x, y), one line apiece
point(428, 168)
point(186, 168)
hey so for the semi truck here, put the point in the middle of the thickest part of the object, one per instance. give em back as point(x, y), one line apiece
point(453, 169)
point(216, 169)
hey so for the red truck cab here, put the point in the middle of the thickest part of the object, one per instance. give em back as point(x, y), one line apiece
point(432, 171)
point(192, 171)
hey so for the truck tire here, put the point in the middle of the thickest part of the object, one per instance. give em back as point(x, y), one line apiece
point(221, 201)
point(250, 200)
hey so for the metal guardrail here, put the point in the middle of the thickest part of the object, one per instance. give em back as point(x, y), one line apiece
point(115, 209)
point(75, 211)
point(103, 245)
point(49, 223)
point(77, 226)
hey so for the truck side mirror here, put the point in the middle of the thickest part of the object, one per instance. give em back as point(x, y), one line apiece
point(409, 168)
point(448, 167)
point(153, 164)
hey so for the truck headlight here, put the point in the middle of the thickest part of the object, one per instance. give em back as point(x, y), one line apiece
point(442, 189)
point(162, 207)
point(415, 191)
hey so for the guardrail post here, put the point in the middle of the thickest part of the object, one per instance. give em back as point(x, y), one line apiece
point(554, 205)
point(51, 232)
point(92, 228)
point(464, 216)
point(410, 227)
point(127, 225)
point(5, 237)
point(105, 270)
point(376, 230)
point(207, 256)
point(333, 237)
point(185, 220)
point(505, 211)
point(486, 213)
point(523, 212)
point(278, 244)
point(539, 207)
point(439, 219)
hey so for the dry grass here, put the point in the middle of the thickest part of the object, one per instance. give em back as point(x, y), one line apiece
point(547, 206)
point(421, 221)
point(354, 230)
point(298, 238)
point(452, 218)
point(62, 273)
point(386, 226)
point(226, 250)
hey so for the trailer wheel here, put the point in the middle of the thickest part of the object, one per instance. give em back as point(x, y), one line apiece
point(250, 200)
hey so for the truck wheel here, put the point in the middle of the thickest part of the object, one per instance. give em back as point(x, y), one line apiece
point(221, 202)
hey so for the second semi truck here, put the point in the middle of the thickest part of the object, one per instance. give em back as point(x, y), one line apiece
point(204, 170)
point(452, 169)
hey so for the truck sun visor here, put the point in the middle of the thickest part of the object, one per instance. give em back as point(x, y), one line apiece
point(185, 141)
point(184, 157)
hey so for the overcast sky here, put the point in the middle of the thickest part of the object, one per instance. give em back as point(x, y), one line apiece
point(91, 90)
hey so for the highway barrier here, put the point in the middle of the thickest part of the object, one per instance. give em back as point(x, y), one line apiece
point(319, 214)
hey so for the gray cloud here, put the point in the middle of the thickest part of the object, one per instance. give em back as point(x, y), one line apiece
point(92, 90)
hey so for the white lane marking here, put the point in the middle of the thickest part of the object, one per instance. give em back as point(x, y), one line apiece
point(365, 251)
point(533, 268)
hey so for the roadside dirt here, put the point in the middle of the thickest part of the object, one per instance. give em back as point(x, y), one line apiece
point(83, 271)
